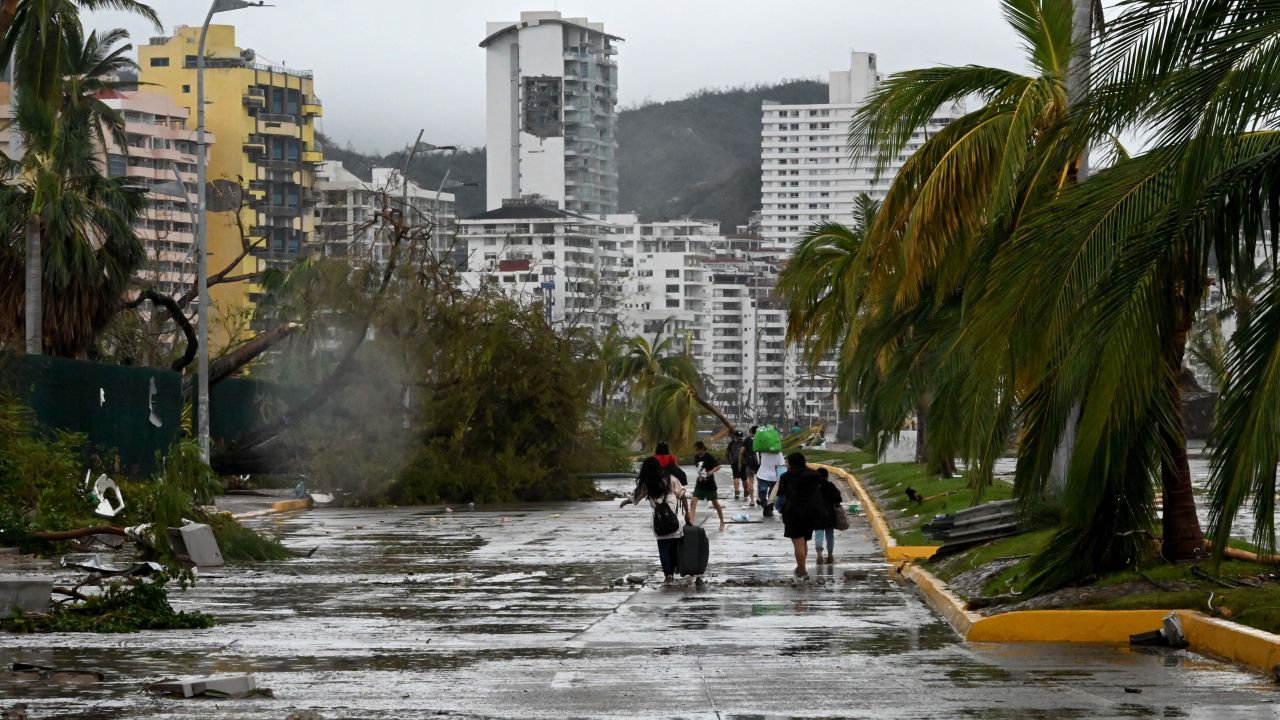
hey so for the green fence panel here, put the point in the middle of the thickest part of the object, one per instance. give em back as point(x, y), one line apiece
point(238, 405)
point(130, 412)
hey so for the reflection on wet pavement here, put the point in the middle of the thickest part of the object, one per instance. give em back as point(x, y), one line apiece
point(412, 612)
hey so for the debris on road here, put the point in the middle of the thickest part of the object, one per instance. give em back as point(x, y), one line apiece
point(1170, 634)
point(213, 686)
point(195, 546)
point(94, 563)
point(28, 594)
point(25, 673)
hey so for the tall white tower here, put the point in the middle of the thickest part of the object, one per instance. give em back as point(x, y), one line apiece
point(552, 86)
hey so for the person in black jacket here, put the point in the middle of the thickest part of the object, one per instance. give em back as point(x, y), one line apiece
point(805, 508)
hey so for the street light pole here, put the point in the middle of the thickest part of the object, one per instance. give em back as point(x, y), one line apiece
point(202, 235)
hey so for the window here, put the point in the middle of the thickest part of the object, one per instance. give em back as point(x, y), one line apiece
point(160, 62)
point(186, 88)
point(673, 302)
point(673, 273)
point(673, 288)
point(116, 165)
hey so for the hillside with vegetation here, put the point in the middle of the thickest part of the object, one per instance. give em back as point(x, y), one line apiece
point(694, 157)
point(700, 156)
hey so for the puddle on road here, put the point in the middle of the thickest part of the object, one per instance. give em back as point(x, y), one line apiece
point(415, 613)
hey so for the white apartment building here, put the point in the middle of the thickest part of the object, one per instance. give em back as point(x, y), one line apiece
point(806, 175)
point(536, 251)
point(552, 94)
point(349, 209)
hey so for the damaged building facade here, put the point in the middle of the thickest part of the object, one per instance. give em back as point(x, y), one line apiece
point(552, 93)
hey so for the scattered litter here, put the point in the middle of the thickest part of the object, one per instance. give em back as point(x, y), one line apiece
point(213, 686)
point(1169, 635)
point(1133, 691)
point(98, 494)
point(17, 712)
point(94, 563)
point(636, 579)
point(504, 519)
point(855, 574)
point(321, 498)
point(28, 673)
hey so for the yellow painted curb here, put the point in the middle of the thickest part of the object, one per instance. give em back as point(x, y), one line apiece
point(939, 597)
point(1206, 635)
point(1112, 627)
point(1231, 641)
point(894, 552)
point(287, 505)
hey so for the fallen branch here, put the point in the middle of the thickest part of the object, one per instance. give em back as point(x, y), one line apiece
point(179, 317)
point(79, 533)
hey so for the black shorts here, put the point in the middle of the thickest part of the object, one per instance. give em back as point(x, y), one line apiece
point(796, 530)
point(739, 472)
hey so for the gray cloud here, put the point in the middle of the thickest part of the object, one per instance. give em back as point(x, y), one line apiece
point(385, 68)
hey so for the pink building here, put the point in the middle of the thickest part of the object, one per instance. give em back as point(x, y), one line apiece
point(160, 145)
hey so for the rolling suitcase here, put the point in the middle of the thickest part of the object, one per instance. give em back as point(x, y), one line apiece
point(694, 551)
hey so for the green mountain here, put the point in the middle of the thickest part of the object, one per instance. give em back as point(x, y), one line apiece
point(700, 156)
point(694, 157)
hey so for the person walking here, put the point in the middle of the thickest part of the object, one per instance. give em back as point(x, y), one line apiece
point(734, 451)
point(704, 488)
point(831, 498)
point(750, 464)
point(768, 464)
point(667, 499)
point(804, 509)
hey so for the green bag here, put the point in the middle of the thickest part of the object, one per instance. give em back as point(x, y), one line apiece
point(767, 439)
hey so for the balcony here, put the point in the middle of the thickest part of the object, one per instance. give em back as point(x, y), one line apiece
point(269, 124)
point(288, 165)
point(255, 144)
point(255, 97)
point(312, 157)
point(278, 210)
point(311, 107)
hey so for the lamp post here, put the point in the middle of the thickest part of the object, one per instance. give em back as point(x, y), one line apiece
point(202, 235)
point(408, 161)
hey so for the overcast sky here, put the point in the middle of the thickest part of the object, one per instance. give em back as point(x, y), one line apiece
point(385, 68)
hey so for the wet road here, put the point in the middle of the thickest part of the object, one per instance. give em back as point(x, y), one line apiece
point(408, 613)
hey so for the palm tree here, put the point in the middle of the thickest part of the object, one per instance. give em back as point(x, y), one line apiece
point(910, 274)
point(665, 382)
point(1133, 265)
point(46, 35)
point(83, 219)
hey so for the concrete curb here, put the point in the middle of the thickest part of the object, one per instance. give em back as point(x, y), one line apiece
point(1230, 641)
point(276, 507)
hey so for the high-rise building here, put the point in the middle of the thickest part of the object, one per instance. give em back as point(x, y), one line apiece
point(536, 251)
point(161, 151)
point(805, 172)
point(347, 213)
point(807, 177)
point(552, 85)
point(263, 116)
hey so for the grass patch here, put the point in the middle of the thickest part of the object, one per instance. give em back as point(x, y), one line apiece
point(1177, 587)
point(1010, 579)
point(943, 495)
point(851, 460)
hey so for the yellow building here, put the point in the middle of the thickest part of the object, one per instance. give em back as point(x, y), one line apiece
point(264, 119)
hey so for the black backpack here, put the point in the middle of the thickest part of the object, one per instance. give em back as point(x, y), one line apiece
point(735, 446)
point(665, 520)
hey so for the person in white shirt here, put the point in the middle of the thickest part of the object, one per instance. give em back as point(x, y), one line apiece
point(772, 464)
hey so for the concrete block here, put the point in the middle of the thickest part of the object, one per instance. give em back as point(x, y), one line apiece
point(232, 686)
point(194, 544)
point(32, 594)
